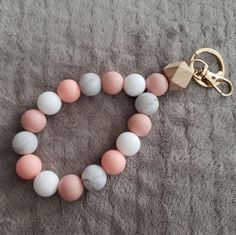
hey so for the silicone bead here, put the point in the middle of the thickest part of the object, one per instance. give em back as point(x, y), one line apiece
point(28, 167)
point(33, 120)
point(68, 90)
point(134, 84)
point(46, 183)
point(140, 124)
point(128, 143)
point(49, 103)
point(94, 177)
point(157, 84)
point(70, 188)
point(24, 142)
point(112, 82)
point(147, 103)
point(113, 162)
point(90, 84)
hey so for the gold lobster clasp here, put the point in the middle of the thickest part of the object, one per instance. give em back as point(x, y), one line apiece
point(205, 77)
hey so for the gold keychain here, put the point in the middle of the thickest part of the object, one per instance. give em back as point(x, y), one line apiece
point(180, 73)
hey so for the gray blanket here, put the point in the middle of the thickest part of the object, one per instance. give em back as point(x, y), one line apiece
point(183, 179)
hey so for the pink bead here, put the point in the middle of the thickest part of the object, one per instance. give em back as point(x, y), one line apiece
point(157, 84)
point(68, 90)
point(112, 82)
point(70, 188)
point(113, 162)
point(140, 124)
point(28, 167)
point(33, 120)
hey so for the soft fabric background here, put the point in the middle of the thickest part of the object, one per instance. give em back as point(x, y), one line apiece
point(183, 179)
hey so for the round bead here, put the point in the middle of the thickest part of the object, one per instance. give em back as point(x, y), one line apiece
point(70, 188)
point(128, 143)
point(68, 90)
point(33, 120)
point(147, 103)
point(157, 84)
point(140, 124)
point(134, 84)
point(112, 82)
point(49, 103)
point(113, 162)
point(46, 183)
point(28, 167)
point(24, 142)
point(90, 84)
point(94, 177)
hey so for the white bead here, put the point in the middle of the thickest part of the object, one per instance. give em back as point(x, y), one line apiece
point(49, 103)
point(134, 84)
point(25, 142)
point(94, 177)
point(147, 103)
point(128, 143)
point(46, 183)
point(90, 84)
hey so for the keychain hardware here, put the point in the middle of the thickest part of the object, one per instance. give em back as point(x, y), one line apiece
point(205, 77)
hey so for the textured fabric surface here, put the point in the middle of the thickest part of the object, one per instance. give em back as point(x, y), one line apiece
point(183, 179)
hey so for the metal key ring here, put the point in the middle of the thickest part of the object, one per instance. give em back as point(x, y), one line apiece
point(205, 77)
point(213, 52)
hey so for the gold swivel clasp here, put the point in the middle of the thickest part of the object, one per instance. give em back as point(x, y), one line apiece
point(205, 77)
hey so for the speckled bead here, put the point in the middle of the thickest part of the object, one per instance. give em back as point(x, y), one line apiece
point(94, 177)
point(24, 142)
point(90, 84)
point(147, 103)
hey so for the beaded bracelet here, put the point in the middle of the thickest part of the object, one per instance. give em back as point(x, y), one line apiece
point(113, 162)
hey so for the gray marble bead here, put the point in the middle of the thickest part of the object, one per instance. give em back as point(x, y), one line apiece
point(147, 103)
point(94, 177)
point(25, 142)
point(90, 84)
